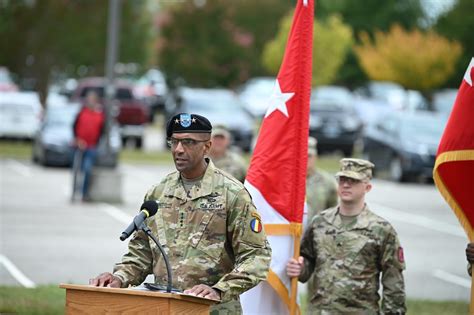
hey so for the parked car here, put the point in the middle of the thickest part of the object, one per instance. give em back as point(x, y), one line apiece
point(403, 145)
point(443, 100)
point(333, 120)
point(54, 143)
point(220, 106)
point(255, 94)
point(153, 90)
point(20, 115)
point(391, 93)
point(132, 114)
point(6, 82)
point(370, 110)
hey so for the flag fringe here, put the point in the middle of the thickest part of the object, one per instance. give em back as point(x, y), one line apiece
point(452, 156)
point(293, 229)
point(280, 288)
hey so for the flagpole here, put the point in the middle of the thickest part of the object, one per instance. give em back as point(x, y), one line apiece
point(472, 294)
point(294, 280)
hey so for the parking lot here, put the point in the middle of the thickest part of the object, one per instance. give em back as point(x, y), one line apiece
point(47, 240)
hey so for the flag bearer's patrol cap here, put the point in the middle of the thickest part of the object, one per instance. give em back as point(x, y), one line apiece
point(356, 168)
point(188, 123)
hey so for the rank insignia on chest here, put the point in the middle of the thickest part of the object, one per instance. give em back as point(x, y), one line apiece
point(256, 225)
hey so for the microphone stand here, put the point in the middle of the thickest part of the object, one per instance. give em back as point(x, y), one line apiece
point(147, 231)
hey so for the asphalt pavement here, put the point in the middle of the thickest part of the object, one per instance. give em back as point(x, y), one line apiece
point(45, 239)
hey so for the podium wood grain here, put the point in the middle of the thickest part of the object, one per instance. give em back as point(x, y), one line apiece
point(88, 300)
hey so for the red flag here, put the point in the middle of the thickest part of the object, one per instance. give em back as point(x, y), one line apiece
point(454, 168)
point(276, 177)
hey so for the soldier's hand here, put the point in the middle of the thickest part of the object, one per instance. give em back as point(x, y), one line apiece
point(106, 279)
point(470, 253)
point(204, 291)
point(294, 267)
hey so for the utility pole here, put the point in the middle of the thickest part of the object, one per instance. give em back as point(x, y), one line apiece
point(111, 56)
point(106, 183)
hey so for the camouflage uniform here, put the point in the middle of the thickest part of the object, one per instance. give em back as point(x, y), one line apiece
point(346, 258)
point(213, 237)
point(321, 192)
point(347, 262)
point(233, 164)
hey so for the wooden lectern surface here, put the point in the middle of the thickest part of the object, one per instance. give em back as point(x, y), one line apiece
point(85, 299)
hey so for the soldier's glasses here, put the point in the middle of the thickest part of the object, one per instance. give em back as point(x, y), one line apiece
point(185, 142)
point(347, 180)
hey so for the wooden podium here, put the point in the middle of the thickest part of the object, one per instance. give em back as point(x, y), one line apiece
point(85, 299)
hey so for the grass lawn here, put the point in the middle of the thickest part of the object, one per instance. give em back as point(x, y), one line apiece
point(22, 150)
point(423, 307)
point(50, 300)
point(43, 300)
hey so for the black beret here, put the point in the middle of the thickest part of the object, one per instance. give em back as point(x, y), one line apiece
point(184, 123)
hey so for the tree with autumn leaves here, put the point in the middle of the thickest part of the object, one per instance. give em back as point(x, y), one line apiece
point(415, 59)
point(332, 40)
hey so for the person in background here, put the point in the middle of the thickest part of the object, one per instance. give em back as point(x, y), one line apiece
point(321, 194)
point(321, 187)
point(351, 251)
point(223, 158)
point(207, 223)
point(88, 129)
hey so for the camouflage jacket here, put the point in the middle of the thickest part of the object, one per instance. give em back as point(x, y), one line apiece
point(233, 164)
point(213, 237)
point(347, 263)
point(321, 192)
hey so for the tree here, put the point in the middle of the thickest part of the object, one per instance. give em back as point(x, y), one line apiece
point(331, 41)
point(416, 60)
point(57, 36)
point(217, 43)
point(458, 24)
point(368, 16)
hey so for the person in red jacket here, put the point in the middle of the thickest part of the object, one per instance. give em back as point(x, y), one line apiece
point(88, 129)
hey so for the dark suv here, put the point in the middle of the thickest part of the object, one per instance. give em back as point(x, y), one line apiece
point(333, 120)
point(131, 113)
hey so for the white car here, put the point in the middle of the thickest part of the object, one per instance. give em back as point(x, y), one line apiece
point(255, 95)
point(20, 115)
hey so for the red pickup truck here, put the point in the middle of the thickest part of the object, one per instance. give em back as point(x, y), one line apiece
point(131, 113)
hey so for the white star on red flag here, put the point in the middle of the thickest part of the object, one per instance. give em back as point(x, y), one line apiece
point(278, 100)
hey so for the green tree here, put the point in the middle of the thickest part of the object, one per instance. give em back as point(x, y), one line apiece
point(458, 24)
point(57, 36)
point(416, 60)
point(368, 16)
point(218, 43)
point(331, 41)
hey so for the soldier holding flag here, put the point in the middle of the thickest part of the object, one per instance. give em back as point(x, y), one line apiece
point(347, 248)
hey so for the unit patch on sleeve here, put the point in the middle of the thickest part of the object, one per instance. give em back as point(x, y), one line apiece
point(256, 225)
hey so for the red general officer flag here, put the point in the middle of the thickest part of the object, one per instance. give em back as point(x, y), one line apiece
point(276, 177)
point(454, 168)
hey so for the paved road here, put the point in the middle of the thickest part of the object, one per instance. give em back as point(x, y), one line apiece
point(46, 239)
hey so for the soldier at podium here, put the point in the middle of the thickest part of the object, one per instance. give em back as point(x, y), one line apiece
point(206, 223)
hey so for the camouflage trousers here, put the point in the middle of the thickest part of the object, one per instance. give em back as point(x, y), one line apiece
point(335, 312)
point(228, 308)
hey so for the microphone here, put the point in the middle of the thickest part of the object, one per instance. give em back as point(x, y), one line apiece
point(148, 209)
